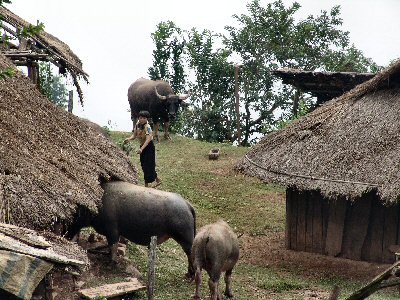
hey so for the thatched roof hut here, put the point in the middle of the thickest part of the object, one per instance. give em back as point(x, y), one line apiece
point(322, 85)
point(347, 149)
point(348, 146)
point(51, 161)
point(42, 46)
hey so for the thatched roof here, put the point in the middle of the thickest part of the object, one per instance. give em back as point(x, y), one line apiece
point(322, 85)
point(346, 147)
point(50, 160)
point(45, 43)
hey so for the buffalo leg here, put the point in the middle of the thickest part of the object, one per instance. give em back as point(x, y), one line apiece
point(228, 277)
point(213, 285)
point(186, 244)
point(112, 236)
point(166, 133)
point(197, 278)
point(156, 126)
point(134, 121)
point(114, 252)
point(188, 251)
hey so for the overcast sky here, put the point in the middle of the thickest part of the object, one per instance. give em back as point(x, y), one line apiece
point(113, 38)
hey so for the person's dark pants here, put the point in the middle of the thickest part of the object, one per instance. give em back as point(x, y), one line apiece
point(148, 163)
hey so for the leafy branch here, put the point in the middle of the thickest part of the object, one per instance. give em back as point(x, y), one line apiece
point(5, 1)
point(7, 73)
point(31, 30)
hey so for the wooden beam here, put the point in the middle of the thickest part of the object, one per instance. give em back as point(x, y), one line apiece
point(374, 285)
point(112, 290)
point(9, 30)
point(25, 54)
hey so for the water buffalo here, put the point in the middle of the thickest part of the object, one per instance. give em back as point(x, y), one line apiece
point(158, 99)
point(215, 249)
point(138, 213)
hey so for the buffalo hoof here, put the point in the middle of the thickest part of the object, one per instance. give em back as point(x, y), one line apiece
point(228, 294)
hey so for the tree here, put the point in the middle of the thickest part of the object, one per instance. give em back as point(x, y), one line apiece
point(168, 62)
point(265, 39)
point(350, 60)
point(269, 38)
point(167, 57)
point(2, 2)
point(52, 86)
point(212, 88)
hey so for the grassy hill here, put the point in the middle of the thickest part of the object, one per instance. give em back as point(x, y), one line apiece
point(266, 270)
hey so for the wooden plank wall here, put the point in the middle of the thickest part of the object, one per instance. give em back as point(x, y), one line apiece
point(364, 229)
point(336, 217)
point(306, 221)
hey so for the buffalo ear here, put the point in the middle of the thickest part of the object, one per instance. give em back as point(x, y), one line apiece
point(184, 104)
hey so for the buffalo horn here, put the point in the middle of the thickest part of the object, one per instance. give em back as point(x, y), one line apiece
point(183, 96)
point(158, 95)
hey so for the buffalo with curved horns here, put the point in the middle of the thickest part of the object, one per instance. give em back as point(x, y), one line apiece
point(158, 98)
point(138, 213)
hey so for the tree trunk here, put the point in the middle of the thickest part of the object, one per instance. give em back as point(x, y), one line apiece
point(239, 130)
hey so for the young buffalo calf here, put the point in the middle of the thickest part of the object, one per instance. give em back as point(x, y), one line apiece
point(215, 249)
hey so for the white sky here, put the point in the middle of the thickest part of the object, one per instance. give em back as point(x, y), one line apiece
point(113, 38)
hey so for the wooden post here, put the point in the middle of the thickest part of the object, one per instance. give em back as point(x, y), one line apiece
point(5, 42)
point(23, 44)
point(296, 102)
point(33, 72)
point(2, 204)
point(239, 130)
point(49, 287)
point(151, 273)
point(70, 101)
point(30, 71)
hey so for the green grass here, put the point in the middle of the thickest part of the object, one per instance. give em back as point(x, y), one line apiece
point(248, 205)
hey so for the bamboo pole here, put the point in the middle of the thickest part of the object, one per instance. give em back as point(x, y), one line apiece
point(151, 273)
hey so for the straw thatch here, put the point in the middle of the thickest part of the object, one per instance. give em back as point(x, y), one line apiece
point(58, 51)
point(348, 146)
point(50, 161)
point(323, 85)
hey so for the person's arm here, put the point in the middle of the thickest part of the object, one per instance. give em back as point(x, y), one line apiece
point(131, 138)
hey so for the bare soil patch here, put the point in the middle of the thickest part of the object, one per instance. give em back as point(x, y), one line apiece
point(269, 250)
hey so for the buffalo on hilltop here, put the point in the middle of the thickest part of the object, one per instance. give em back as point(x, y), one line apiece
point(158, 98)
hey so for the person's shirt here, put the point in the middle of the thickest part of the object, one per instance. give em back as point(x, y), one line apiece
point(142, 131)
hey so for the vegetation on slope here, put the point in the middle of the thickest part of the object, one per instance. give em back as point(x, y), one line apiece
point(251, 207)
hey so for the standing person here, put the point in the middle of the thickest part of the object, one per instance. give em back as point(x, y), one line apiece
point(147, 151)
